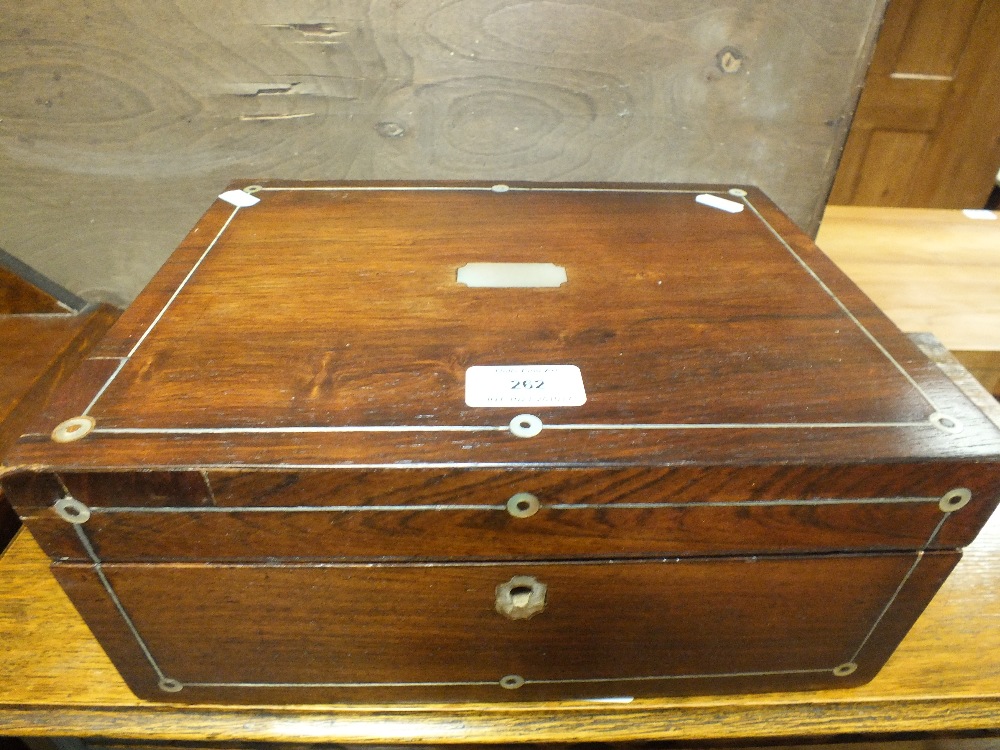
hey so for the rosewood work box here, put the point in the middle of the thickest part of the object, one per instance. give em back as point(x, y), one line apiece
point(411, 442)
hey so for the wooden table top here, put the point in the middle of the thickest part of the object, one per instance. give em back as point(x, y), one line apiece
point(55, 680)
point(928, 269)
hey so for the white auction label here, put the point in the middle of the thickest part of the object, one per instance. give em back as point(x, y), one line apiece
point(524, 385)
point(240, 198)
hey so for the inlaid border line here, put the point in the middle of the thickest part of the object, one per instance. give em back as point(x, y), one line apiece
point(674, 677)
point(731, 426)
point(162, 312)
point(478, 189)
point(399, 465)
point(822, 284)
point(208, 485)
point(888, 606)
point(99, 571)
point(295, 430)
point(899, 589)
point(502, 507)
point(527, 681)
point(937, 530)
point(484, 188)
point(291, 509)
point(337, 684)
point(490, 428)
point(660, 559)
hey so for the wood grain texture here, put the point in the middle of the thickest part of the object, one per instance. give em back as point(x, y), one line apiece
point(39, 351)
point(891, 165)
point(952, 366)
point(18, 297)
point(975, 741)
point(944, 677)
point(462, 514)
point(491, 534)
point(25, 290)
point(787, 340)
point(924, 133)
point(355, 349)
point(435, 625)
point(929, 270)
point(984, 366)
point(969, 150)
point(935, 38)
point(31, 344)
point(149, 112)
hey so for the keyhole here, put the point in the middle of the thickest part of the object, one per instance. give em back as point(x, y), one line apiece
point(521, 598)
point(520, 595)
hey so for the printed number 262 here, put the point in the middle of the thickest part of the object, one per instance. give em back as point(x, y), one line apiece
point(526, 384)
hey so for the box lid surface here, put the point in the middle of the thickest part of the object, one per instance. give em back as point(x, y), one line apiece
point(334, 324)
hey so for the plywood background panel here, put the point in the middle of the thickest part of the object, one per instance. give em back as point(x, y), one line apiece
point(120, 121)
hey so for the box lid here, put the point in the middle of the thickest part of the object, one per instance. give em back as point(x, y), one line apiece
point(343, 324)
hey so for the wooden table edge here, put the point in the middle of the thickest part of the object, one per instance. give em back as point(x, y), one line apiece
point(526, 723)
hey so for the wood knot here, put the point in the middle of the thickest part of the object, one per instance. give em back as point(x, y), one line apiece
point(729, 60)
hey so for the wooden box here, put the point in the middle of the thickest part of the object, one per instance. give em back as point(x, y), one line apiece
point(328, 455)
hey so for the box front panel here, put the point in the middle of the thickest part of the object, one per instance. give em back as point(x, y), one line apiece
point(518, 631)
